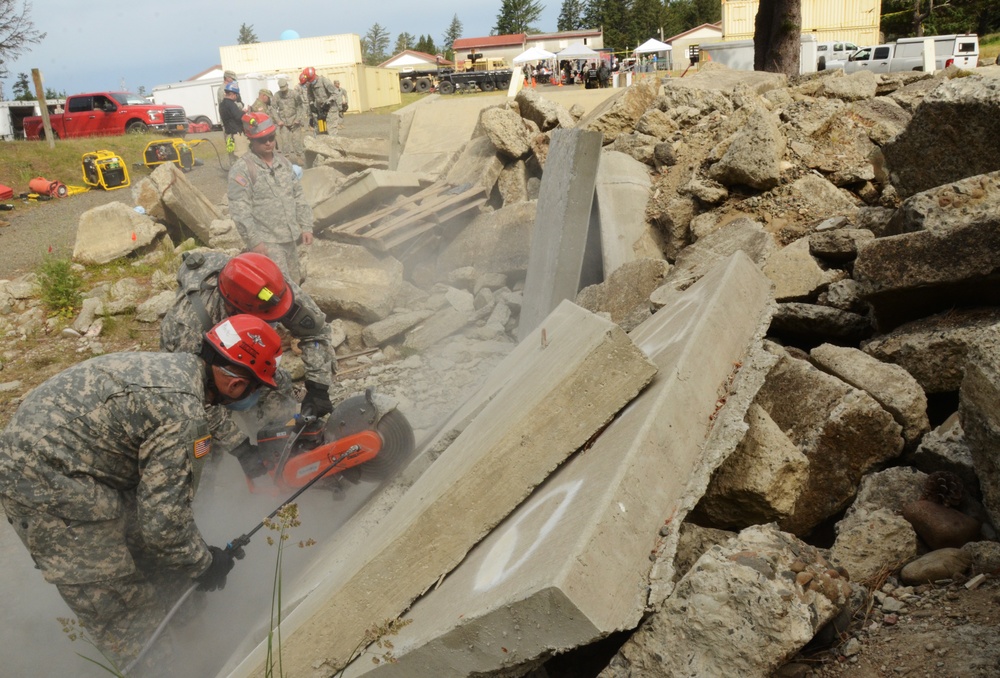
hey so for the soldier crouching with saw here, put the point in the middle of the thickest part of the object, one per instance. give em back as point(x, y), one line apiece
point(212, 286)
point(98, 471)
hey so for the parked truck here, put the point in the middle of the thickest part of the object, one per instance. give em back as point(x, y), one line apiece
point(200, 97)
point(13, 113)
point(109, 114)
point(914, 54)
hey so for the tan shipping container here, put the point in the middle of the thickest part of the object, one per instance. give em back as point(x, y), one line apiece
point(855, 21)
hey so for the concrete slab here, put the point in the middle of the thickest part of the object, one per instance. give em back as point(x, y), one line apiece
point(572, 564)
point(363, 192)
point(559, 239)
point(567, 385)
point(623, 186)
point(186, 206)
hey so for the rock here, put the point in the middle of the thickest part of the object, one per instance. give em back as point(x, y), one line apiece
point(795, 273)
point(478, 162)
point(754, 154)
point(382, 332)
point(891, 385)
point(811, 323)
point(656, 123)
point(944, 208)
point(881, 116)
point(931, 151)
point(460, 300)
point(442, 324)
point(844, 295)
point(505, 129)
point(984, 556)
point(672, 219)
point(979, 409)
point(543, 112)
point(111, 231)
point(640, 146)
point(185, 207)
point(320, 183)
point(154, 308)
point(891, 489)
point(513, 183)
point(872, 542)
point(935, 349)
point(703, 630)
point(838, 246)
point(945, 449)
point(948, 563)
point(621, 112)
point(348, 281)
point(89, 310)
point(860, 85)
point(626, 288)
point(843, 431)
point(693, 541)
point(941, 526)
point(225, 236)
point(760, 481)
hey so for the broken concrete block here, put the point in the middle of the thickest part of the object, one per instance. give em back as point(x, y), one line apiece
point(348, 281)
point(759, 482)
point(543, 112)
point(625, 289)
point(620, 112)
point(531, 424)
point(796, 274)
point(872, 542)
point(754, 155)
point(363, 192)
point(384, 331)
point(623, 186)
point(114, 230)
point(853, 87)
point(840, 245)
point(559, 240)
point(812, 323)
point(979, 410)
point(842, 430)
point(704, 630)
point(185, 205)
point(508, 134)
point(441, 324)
point(477, 163)
point(891, 385)
point(493, 242)
point(581, 543)
point(513, 183)
point(320, 183)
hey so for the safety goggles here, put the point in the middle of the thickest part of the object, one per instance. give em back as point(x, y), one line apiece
point(265, 140)
point(252, 386)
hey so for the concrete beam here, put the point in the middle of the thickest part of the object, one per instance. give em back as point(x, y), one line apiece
point(575, 373)
point(572, 564)
point(623, 187)
point(559, 239)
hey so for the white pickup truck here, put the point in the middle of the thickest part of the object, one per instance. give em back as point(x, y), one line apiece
point(908, 54)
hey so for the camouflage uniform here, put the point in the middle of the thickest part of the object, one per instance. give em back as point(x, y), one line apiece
point(325, 101)
point(292, 118)
point(270, 209)
point(98, 469)
point(183, 330)
point(259, 106)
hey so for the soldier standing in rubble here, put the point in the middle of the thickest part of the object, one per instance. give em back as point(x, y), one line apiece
point(228, 77)
point(326, 100)
point(266, 200)
point(98, 471)
point(291, 117)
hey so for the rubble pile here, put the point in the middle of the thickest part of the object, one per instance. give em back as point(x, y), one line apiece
point(854, 440)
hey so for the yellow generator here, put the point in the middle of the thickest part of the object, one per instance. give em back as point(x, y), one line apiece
point(104, 169)
point(177, 151)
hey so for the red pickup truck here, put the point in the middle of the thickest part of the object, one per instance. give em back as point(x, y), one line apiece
point(108, 114)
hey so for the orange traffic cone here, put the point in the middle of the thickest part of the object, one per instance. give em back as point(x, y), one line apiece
point(532, 82)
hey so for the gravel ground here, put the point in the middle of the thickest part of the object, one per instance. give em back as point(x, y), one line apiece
point(37, 230)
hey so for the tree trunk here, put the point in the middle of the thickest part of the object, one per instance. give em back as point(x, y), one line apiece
point(777, 36)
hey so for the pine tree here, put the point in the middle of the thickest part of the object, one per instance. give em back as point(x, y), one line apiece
point(516, 16)
point(453, 33)
point(571, 16)
point(404, 41)
point(426, 44)
point(22, 88)
point(374, 45)
point(647, 18)
point(246, 36)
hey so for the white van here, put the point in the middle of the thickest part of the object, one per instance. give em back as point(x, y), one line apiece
point(833, 51)
point(949, 50)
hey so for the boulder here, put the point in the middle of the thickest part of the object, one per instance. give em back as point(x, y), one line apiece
point(625, 289)
point(935, 349)
point(349, 281)
point(852, 87)
point(383, 331)
point(813, 324)
point(944, 208)
point(620, 112)
point(979, 409)
point(947, 563)
point(945, 449)
point(891, 385)
point(872, 542)
point(705, 629)
point(760, 481)
point(478, 163)
point(838, 246)
point(506, 131)
point(114, 230)
point(933, 150)
point(842, 430)
point(754, 154)
point(543, 112)
point(154, 308)
point(941, 526)
point(185, 207)
point(656, 123)
point(796, 275)
point(640, 146)
point(513, 183)
point(844, 295)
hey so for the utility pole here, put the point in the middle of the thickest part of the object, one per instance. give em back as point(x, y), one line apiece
point(43, 104)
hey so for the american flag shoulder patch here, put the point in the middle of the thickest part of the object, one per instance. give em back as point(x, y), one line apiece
point(202, 446)
point(240, 179)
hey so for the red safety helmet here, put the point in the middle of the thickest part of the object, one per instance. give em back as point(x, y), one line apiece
point(257, 125)
point(249, 342)
point(308, 74)
point(253, 284)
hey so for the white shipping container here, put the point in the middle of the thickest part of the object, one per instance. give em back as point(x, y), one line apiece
point(198, 97)
point(292, 55)
point(13, 112)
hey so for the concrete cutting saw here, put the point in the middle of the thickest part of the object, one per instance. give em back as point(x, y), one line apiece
point(367, 437)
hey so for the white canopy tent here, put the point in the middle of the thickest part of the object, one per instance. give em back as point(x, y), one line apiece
point(652, 45)
point(577, 51)
point(533, 54)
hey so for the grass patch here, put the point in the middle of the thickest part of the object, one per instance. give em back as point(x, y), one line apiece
point(989, 47)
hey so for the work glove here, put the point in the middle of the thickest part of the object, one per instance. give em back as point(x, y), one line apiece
point(317, 401)
point(230, 144)
point(253, 462)
point(215, 576)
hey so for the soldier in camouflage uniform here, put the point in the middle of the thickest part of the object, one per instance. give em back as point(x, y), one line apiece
point(99, 467)
point(292, 118)
point(266, 200)
point(212, 286)
point(263, 102)
point(327, 100)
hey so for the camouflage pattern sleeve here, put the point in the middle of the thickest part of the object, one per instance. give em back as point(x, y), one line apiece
point(303, 212)
point(166, 491)
point(181, 328)
point(241, 204)
point(307, 323)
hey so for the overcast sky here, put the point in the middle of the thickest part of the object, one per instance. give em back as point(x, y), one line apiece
point(93, 46)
